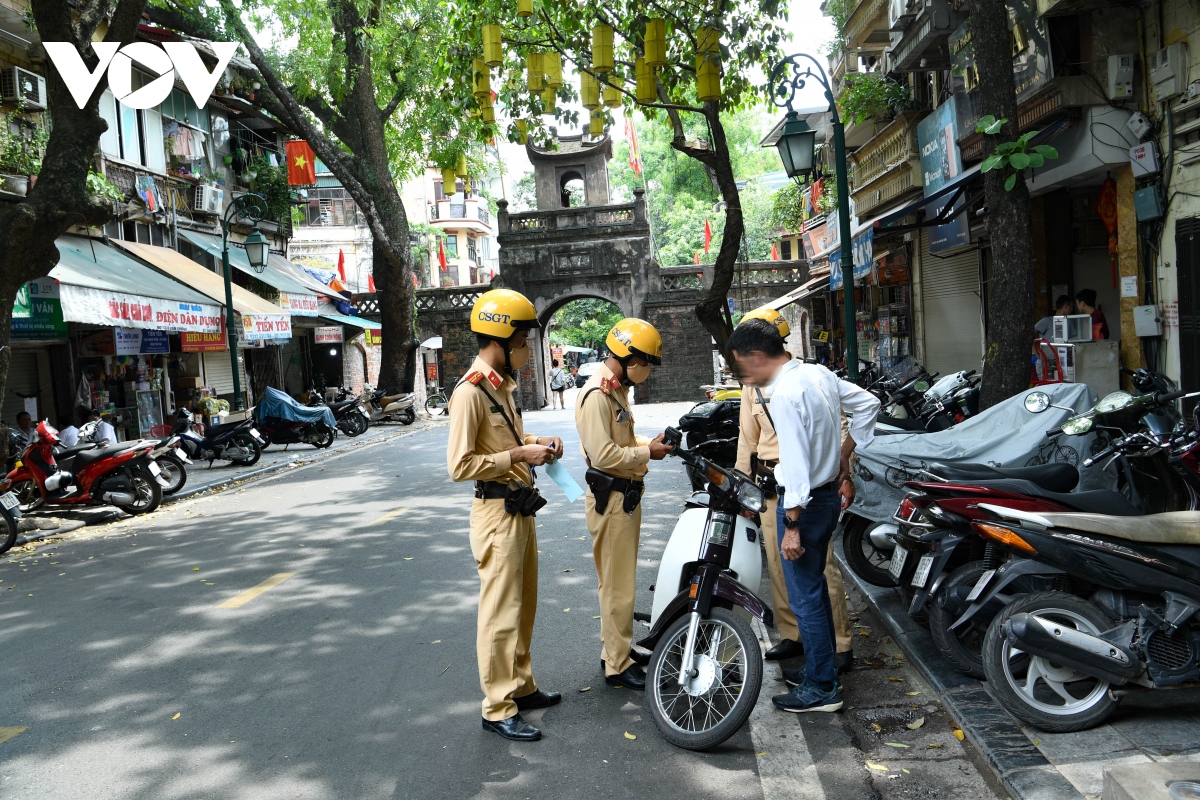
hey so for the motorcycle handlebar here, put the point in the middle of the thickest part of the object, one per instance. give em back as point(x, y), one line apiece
point(1054, 432)
point(1171, 397)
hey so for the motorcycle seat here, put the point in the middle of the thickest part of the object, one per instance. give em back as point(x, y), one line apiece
point(92, 456)
point(217, 430)
point(66, 452)
point(335, 407)
point(1053, 477)
point(911, 424)
point(1172, 527)
point(1098, 501)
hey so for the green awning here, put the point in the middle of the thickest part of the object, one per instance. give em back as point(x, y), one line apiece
point(358, 322)
point(93, 264)
point(238, 259)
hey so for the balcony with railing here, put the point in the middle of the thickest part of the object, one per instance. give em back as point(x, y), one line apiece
point(867, 26)
point(471, 214)
point(887, 167)
point(923, 31)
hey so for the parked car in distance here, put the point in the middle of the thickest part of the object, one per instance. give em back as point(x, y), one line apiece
point(586, 371)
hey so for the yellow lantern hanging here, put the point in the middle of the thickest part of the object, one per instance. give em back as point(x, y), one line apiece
point(552, 67)
point(655, 42)
point(589, 90)
point(708, 65)
point(448, 180)
point(481, 78)
point(493, 50)
point(596, 125)
point(488, 115)
point(466, 187)
point(646, 91)
point(524, 8)
point(612, 95)
point(602, 48)
point(522, 130)
point(548, 98)
point(534, 71)
point(460, 169)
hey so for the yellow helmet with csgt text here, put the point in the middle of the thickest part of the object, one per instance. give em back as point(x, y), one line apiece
point(768, 314)
point(635, 337)
point(500, 313)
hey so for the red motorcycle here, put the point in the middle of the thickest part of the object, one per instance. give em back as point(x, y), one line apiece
point(122, 475)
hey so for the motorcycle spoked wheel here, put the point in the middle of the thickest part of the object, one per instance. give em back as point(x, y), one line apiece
point(720, 698)
point(147, 491)
point(324, 439)
point(9, 537)
point(247, 442)
point(172, 474)
point(28, 495)
point(1048, 696)
point(407, 417)
point(865, 554)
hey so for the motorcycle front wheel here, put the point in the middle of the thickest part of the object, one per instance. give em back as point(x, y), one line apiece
point(172, 474)
point(28, 495)
point(324, 439)
point(868, 546)
point(147, 494)
point(247, 442)
point(9, 536)
point(715, 703)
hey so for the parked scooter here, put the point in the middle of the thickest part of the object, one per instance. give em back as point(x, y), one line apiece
point(705, 674)
point(712, 433)
point(236, 442)
point(122, 475)
point(382, 407)
point(282, 420)
point(171, 458)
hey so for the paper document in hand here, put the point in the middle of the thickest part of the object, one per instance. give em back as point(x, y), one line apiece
point(558, 473)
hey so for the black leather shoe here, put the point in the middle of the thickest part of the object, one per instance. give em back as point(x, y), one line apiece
point(632, 678)
point(844, 662)
point(538, 699)
point(786, 648)
point(513, 728)
point(641, 659)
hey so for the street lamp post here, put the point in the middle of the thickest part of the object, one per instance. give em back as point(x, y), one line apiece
point(254, 208)
point(796, 143)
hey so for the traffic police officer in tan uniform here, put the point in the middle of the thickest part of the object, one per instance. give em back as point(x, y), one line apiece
point(488, 445)
point(617, 461)
point(758, 453)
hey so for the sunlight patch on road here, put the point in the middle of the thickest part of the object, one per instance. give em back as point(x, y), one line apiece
point(239, 600)
point(388, 516)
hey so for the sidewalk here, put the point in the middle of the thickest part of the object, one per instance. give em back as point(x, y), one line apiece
point(1161, 726)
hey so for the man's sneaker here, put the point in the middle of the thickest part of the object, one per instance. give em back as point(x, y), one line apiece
point(809, 697)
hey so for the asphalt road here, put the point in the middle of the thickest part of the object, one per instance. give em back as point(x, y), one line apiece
point(352, 673)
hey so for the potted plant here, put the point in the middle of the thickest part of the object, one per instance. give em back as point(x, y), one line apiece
point(21, 155)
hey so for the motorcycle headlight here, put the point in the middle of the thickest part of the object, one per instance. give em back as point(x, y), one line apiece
point(751, 497)
point(1077, 426)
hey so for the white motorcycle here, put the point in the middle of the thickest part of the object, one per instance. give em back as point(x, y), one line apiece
point(381, 408)
point(706, 671)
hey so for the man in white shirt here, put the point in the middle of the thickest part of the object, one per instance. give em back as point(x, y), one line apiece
point(68, 434)
point(104, 431)
point(807, 402)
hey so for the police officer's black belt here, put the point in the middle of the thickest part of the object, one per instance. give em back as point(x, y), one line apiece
point(523, 500)
point(603, 485)
point(490, 490)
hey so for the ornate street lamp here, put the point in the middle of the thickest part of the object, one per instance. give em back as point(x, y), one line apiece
point(796, 143)
point(254, 208)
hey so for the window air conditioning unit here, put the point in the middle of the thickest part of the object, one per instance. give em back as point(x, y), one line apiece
point(24, 87)
point(209, 199)
point(1169, 71)
point(902, 12)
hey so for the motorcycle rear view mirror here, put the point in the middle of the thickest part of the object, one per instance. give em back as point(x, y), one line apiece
point(1037, 402)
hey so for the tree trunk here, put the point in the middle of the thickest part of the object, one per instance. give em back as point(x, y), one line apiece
point(28, 229)
point(1010, 288)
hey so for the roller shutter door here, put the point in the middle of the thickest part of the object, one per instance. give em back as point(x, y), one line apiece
point(219, 375)
point(950, 302)
point(22, 382)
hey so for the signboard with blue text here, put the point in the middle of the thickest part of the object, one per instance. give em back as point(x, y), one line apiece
point(862, 249)
point(941, 161)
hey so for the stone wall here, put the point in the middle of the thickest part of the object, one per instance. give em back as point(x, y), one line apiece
point(687, 351)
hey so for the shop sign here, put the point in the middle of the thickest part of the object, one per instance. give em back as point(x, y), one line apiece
point(260, 327)
point(298, 305)
point(330, 334)
point(134, 341)
point(374, 337)
point(941, 160)
point(821, 336)
point(891, 269)
point(862, 249)
point(37, 311)
point(191, 342)
point(431, 372)
point(816, 240)
point(100, 343)
point(117, 310)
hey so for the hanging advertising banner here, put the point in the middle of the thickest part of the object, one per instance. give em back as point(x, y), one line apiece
point(37, 311)
point(117, 310)
point(816, 240)
point(298, 305)
point(135, 341)
point(100, 343)
point(203, 342)
point(330, 334)
point(373, 336)
point(862, 249)
point(260, 327)
point(941, 160)
point(891, 269)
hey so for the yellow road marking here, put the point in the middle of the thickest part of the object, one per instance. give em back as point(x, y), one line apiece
point(239, 600)
point(8, 733)
point(388, 516)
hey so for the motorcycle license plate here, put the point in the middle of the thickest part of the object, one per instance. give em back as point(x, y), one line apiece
point(922, 573)
point(980, 585)
point(899, 556)
point(9, 500)
point(154, 470)
point(182, 455)
point(254, 432)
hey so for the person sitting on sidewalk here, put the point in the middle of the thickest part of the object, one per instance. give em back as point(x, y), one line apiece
point(807, 404)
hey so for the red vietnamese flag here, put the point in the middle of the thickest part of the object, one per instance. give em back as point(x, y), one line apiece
point(697, 256)
point(774, 251)
point(301, 163)
point(371, 282)
point(442, 256)
point(342, 265)
point(707, 234)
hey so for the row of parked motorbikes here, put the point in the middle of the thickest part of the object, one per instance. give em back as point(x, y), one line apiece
point(1064, 596)
point(135, 475)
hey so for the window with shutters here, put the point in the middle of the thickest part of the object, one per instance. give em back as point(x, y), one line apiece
point(471, 249)
point(1187, 261)
point(330, 206)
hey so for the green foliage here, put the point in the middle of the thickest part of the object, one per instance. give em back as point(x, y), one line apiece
point(1016, 156)
point(100, 186)
point(584, 323)
point(524, 195)
point(787, 210)
point(870, 96)
point(271, 182)
point(838, 11)
point(22, 145)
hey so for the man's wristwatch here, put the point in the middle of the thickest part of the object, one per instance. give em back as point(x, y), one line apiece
point(791, 524)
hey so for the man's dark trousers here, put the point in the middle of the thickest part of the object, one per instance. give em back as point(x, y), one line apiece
point(808, 594)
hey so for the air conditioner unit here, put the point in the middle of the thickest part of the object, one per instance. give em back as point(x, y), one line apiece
point(1169, 71)
point(902, 12)
point(209, 199)
point(24, 87)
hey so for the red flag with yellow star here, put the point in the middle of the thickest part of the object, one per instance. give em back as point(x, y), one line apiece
point(301, 164)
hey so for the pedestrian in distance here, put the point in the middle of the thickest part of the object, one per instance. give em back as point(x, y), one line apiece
point(23, 433)
point(558, 385)
point(1062, 307)
point(1085, 302)
point(758, 456)
point(807, 402)
point(617, 459)
point(488, 445)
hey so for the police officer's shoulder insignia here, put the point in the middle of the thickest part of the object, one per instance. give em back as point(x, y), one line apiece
point(606, 386)
point(494, 379)
point(474, 378)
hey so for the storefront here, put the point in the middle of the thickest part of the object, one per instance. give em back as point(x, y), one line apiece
point(38, 337)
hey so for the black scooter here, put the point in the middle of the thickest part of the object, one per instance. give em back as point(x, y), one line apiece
point(236, 442)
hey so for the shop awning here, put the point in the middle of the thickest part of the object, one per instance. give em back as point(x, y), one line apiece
point(810, 288)
point(300, 276)
point(955, 186)
point(103, 285)
point(271, 274)
point(358, 322)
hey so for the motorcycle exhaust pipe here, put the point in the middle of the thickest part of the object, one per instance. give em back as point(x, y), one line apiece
point(1072, 648)
point(117, 498)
